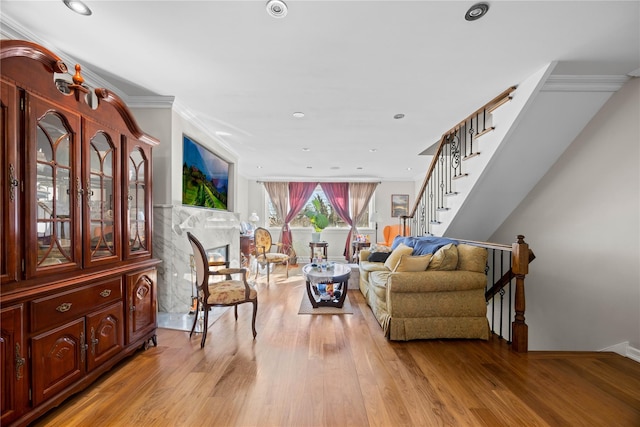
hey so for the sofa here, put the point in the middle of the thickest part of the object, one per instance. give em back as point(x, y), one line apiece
point(426, 288)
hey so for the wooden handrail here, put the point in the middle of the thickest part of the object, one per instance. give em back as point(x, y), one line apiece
point(447, 138)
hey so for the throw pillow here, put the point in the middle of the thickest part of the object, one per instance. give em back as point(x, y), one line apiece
point(394, 257)
point(413, 263)
point(472, 258)
point(445, 259)
point(378, 256)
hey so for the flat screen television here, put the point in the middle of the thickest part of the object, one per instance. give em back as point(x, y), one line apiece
point(205, 177)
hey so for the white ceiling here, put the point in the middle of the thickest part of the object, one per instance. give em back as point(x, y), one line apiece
point(350, 66)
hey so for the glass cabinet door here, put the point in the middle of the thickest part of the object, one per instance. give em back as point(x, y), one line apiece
point(102, 207)
point(56, 189)
point(139, 200)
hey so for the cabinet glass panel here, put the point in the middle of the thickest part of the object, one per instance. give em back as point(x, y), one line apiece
point(100, 197)
point(137, 198)
point(53, 192)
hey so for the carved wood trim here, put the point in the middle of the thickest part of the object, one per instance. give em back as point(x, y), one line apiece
point(13, 48)
point(122, 109)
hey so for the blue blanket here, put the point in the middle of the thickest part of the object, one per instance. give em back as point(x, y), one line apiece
point(424, 244)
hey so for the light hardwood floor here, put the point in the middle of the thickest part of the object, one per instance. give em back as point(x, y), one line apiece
point(338, 370)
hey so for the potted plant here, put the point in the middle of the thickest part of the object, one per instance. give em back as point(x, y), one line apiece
point(318, 217)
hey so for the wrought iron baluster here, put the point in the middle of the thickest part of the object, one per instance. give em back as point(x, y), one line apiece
point(493, 298)
point(510, 298)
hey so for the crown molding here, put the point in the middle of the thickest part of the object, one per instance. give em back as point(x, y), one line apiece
point(192, 118)
point(152, 101)
point(578, 83)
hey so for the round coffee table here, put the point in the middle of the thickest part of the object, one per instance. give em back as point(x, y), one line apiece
point(327, 287)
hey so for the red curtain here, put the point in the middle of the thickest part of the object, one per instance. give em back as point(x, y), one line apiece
point(299, 193)
point(338, 195)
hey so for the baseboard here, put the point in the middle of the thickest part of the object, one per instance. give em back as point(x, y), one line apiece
point(624, 349)
point(634, 354)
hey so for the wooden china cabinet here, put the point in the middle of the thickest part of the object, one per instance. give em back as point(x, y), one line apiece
point(78, 280)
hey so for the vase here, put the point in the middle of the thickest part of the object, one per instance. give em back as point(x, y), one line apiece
point(315, 237)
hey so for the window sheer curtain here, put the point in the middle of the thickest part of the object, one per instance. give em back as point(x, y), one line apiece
point(338, 195)
point(361, 193)
point(298, 194)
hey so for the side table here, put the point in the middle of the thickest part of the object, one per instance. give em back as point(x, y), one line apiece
point(357, 247)
point(320, 245)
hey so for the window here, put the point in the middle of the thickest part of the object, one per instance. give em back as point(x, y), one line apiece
point(302, 221)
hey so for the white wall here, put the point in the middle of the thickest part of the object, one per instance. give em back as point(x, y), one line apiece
point(582, 221)
point(383, 200)
point(157, 123)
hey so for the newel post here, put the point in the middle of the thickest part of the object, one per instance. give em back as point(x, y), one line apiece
point(520, 267)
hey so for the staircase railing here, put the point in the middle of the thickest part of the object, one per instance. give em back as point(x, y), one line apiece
point(506, 264)
point(456, 146)
point(506, 300)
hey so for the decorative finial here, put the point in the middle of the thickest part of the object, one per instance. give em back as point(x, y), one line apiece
point(77, 78)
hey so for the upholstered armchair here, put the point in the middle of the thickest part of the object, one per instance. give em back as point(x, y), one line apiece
point(263, 251)
point(390, 232)
point(217, 288)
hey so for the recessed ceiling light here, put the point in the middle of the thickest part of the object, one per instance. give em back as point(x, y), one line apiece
point(372, 150)
point(298, 114)
point(309, 167)
point(259, 167)
point(78, 7)
point(277, 8)
point(334, 168)
point(398, 116)
point(306, 149)
point(359, 168)
point(476, 11)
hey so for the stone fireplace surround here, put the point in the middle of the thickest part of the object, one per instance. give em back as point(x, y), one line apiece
point(171, 223)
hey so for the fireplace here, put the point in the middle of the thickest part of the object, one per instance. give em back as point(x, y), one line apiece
point(219, 233)
point(217, 255)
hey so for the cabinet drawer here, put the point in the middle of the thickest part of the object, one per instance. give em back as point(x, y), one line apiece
point(59, 308)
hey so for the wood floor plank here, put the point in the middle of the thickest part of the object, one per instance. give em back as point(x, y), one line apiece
point(339, 370)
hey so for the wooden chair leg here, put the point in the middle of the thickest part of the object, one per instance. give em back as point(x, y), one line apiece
point(205, 326)
point(268, 265)
point(253, 320)
point(195, 317)
point(287, 267)
point(235, 311)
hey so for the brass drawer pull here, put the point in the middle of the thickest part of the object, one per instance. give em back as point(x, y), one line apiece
point(64, 307)
point(105, 293)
